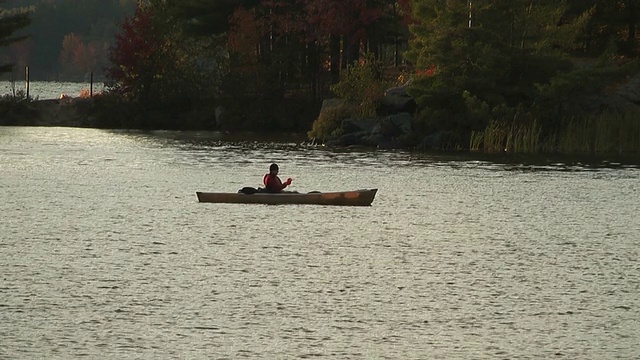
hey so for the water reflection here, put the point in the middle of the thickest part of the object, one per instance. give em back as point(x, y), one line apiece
point(460, 256)
point(294, 145)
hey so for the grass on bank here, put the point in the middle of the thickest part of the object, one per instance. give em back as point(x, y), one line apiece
point(513, 138)
point(613, 133)
point(616, 133)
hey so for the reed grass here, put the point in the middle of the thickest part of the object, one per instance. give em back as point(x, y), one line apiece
point(606, 133)
point(615, 133)
point(513, 138)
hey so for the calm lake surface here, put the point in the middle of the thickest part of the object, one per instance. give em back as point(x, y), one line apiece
point(105, 253)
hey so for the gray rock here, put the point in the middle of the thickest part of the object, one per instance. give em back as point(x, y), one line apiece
point(329, 104)
point(367, 125)
point(352, 138)
point(435, 141)
point(393, 125)
point(402, 121)
point(625, 98)
point(397, 99)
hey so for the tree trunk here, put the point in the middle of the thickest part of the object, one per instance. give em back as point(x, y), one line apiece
point(334, 50)
point(633, 18)
point(396, 50)
point(351, 52)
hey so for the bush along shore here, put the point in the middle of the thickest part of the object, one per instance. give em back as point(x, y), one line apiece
point(608, 123)
point(439, 83)
point(19, 111)
point(586, 111)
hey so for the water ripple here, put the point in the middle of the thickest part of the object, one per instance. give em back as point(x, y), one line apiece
point(107, 254)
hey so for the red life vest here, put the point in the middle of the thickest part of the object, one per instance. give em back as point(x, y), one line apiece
point(272, 183)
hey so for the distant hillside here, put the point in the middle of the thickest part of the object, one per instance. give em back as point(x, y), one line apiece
point(69, 39)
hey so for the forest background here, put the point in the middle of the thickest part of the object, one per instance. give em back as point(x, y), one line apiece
point(492, 75)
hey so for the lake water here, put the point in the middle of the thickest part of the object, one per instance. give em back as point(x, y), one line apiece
point(44, 90)
point(105, 253)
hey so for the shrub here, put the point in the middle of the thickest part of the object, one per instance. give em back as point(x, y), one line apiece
point(13, 107)
point(329, 123)
point(362, 87)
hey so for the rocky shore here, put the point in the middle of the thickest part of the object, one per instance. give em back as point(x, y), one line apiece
point(388, 131)
point(66, 111)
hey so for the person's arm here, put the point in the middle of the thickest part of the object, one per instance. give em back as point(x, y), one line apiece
point(286, 183)
point(281, 185)
point(275, 184)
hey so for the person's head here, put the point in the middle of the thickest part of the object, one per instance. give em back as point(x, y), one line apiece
point(273, 169)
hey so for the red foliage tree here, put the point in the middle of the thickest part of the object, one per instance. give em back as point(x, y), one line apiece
point(135, 53)
point(341, 22)
point(341, 17)
point(244, 36)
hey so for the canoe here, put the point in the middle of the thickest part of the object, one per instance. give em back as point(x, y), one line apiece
point(343, 198)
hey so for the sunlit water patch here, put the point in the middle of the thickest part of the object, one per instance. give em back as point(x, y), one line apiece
point(106, 253)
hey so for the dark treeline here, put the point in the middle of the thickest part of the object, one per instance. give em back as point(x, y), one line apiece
point(67, 39)
point(269, 64)
point(521, 75)
point(492, 75)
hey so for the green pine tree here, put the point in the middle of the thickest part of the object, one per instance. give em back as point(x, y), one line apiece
point(12, 20)
point(491, 51)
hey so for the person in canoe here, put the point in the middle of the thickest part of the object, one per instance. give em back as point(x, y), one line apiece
point(272, 183)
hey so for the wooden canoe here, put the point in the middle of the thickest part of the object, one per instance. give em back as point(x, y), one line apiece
point(343, 198)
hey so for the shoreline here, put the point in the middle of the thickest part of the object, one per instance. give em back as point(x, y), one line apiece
point(65, 112)
point(76, 112)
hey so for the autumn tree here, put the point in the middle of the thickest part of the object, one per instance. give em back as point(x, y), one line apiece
point(78, 58)
point(96, 22)
point(12, 20)
point(342, 25)
point(162, 72)
point(134, 54)
point(389, 35)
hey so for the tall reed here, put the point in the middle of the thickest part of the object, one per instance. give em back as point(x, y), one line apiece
point(617, 133)
point(605, 133)
point(515, 138)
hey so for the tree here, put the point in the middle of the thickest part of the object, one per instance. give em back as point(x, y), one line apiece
point(202, 17)
point(94, 21)
point(12, 20)
point(490, 53)
point(340, 22)
point(162, 72)
point(73, 56)
point(135, 53)
point(606, 23)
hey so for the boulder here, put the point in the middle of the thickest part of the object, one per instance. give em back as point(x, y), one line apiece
point(378, 132)
point(350, 139)
point(329, 104)
point(397, 99)
point(402, 121)
point(435, 141)
point(377, 141)
point(393, 125)
point(626, 97)
point(351, 125)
